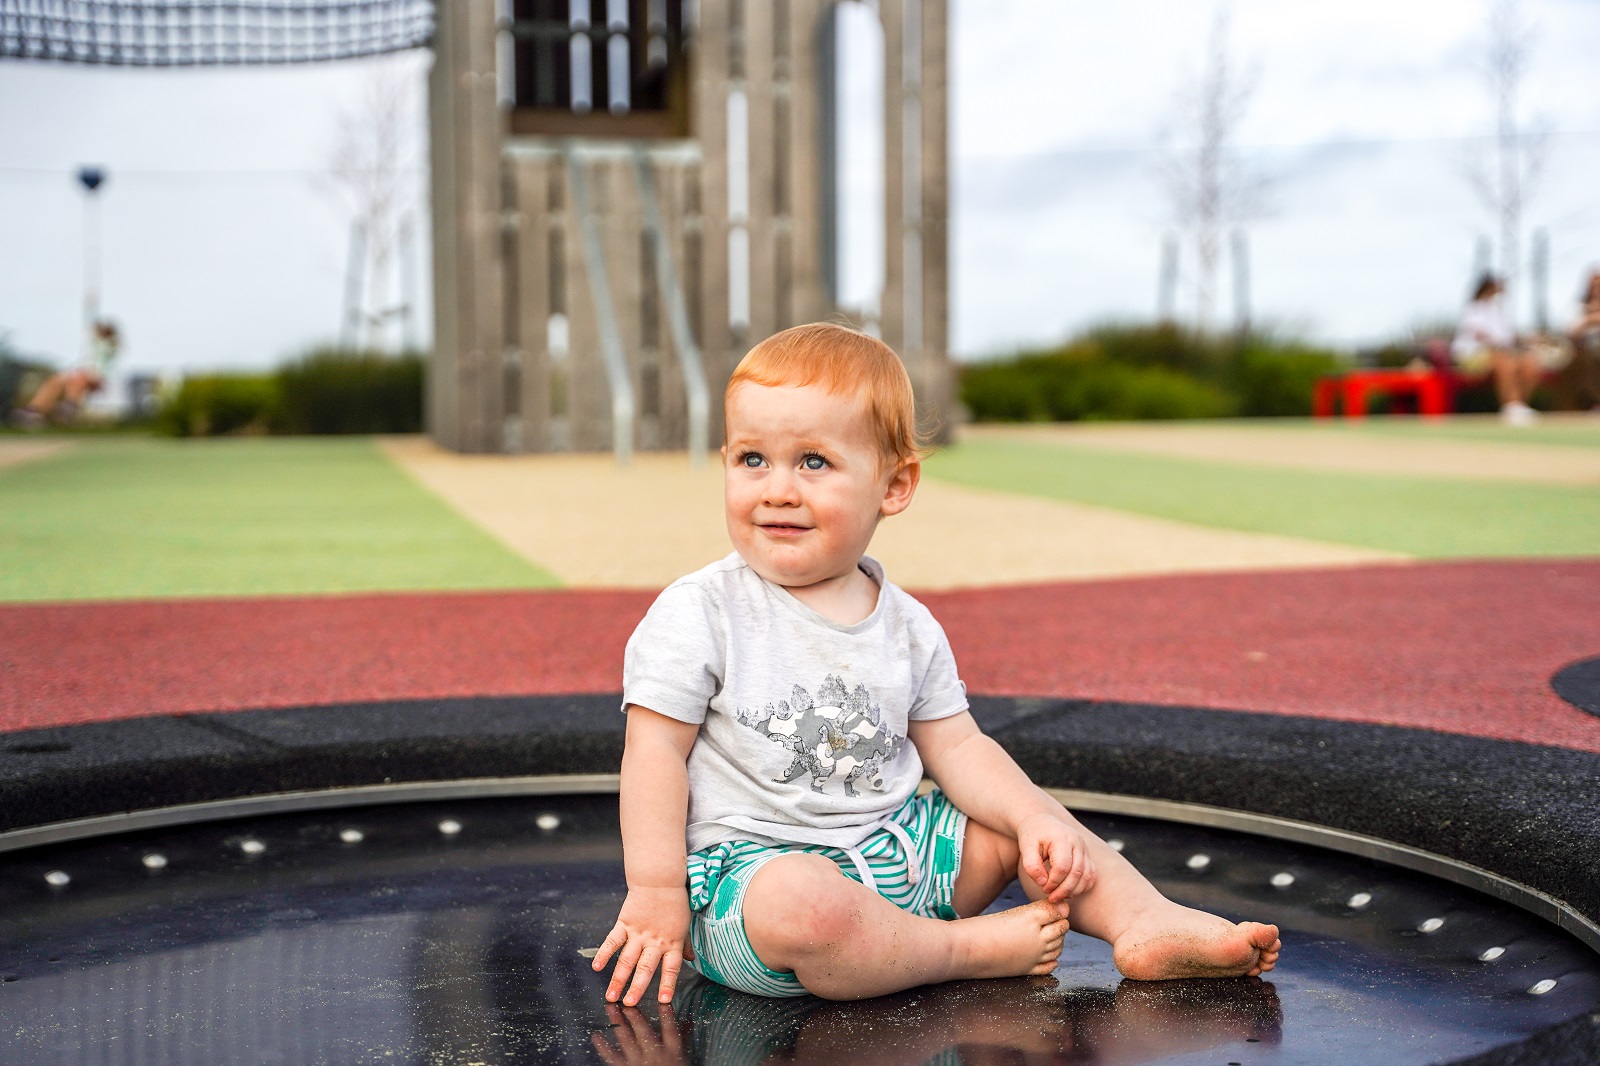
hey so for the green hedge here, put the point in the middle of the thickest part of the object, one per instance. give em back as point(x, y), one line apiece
point(326, 392)
point(215, 405)
point(1123, 371)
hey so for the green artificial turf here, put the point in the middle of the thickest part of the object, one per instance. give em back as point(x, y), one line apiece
point(1568, 432)
point(1427, 517)
point(137, 517)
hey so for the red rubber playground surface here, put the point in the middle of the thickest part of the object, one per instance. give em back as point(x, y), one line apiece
point(1459, 647)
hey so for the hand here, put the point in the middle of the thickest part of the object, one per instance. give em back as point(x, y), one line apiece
point(1055, 856)
point(638, 1043)
point(651, 931)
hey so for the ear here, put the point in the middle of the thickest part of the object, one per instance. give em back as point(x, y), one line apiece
point(902, 486)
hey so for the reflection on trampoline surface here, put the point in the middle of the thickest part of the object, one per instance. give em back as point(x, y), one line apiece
point(453, 932)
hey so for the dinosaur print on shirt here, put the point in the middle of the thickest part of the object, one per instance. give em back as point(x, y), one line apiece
point(837, 734)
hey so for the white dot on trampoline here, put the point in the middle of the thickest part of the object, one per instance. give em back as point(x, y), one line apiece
point(1359, 900)
point(1542, 987)
point(154, 861)
point(1283, 880)
point(449, 827)
point(1490, 954)
point(1431, 925)
point(1198, 862)
point(352, 836)
point(252, 846)
point(547, 821)
point(1115, 845)
point(58, 879)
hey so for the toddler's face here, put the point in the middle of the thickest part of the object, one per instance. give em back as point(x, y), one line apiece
point(805, 482)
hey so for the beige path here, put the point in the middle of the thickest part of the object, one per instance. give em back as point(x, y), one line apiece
point(1313, 448)
point(593, 523)
point(13, 452)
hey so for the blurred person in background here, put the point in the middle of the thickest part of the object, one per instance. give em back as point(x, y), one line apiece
point(1581, 379)
point(62, 395)
point(1486, 341)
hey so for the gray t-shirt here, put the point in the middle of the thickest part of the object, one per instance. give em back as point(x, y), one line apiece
point(802, 720)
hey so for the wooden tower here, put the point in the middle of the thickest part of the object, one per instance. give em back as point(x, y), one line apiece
point(628, 194)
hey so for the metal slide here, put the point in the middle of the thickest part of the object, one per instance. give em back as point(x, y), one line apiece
point(696, 390)
point(611, 350)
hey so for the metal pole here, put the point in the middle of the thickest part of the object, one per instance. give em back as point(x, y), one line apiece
point(1539, 279)
point(1167, 289)
point(91, 178)
point(355, 266)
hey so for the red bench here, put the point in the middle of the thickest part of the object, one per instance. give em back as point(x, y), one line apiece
point(1434, 394)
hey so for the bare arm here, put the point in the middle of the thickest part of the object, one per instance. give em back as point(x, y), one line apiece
point(653, 928)
point(986, 783)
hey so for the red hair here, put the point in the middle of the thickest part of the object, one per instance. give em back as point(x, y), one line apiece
point(844, 362)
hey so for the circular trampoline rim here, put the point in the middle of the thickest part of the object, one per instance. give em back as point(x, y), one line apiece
point(1525, 897)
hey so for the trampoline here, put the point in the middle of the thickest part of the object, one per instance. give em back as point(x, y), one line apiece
point(453, 922)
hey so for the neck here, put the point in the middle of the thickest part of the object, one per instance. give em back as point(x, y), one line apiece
point(846, 599)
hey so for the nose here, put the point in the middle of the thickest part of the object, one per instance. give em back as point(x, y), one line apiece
point(780, 488)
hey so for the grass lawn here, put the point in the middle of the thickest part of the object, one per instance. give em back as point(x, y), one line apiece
point(1426, 517)
point(1565, 431)
point(133, 517)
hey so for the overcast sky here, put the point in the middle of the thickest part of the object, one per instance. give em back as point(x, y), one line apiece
point(225, 244)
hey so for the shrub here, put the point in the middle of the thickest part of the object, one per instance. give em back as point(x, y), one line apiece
point(211, 405)
point(1078, 382)
point(1272, 378)
point(328, 391)
point(333, 391)
point(1122, 371)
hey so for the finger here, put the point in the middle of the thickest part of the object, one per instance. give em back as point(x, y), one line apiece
point(1033, 865)
point(608, 1054)
point(1060, 866)
point(614, 940)
point(1072, 880)
point(671, 963)
point(671, 1032)
point(625, 964)
point(622, 1032)
point(639, 1027)
point(646, 969)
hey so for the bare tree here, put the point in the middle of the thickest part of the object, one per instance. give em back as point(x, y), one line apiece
point(1506, 171)
point(374, 165)
point(1209, 186)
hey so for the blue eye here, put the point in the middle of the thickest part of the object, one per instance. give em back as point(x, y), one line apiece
point(814, 462)
point(752, 459)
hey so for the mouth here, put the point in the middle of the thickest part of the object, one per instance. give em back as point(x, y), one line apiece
point(782, 529)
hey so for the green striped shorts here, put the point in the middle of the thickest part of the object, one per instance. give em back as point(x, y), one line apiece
point(912, 862)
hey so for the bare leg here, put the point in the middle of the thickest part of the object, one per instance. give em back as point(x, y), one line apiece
point(1152, 938)
point(844, 941)
point(1507, 378)
point(1528, 364)
point(44, 401)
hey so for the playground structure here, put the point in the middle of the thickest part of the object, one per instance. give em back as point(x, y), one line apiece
point(626, 194)
point(623, 202)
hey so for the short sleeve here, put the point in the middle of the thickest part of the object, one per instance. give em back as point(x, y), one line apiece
point(674, 661)
point(942, 692)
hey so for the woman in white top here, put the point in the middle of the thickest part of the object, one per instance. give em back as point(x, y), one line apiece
point(1486, 340)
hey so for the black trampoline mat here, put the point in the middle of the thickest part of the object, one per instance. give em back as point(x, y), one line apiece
point(1579, 684)
point(453, 933)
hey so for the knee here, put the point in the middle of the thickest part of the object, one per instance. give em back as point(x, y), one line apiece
point(798, 905)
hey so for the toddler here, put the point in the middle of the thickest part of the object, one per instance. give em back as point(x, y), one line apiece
point(785, 703)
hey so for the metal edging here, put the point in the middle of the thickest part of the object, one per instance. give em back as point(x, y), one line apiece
point(1524, 897)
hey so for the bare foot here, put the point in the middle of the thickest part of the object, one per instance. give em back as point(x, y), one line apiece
point(1014, 943)
point(1181, 942)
